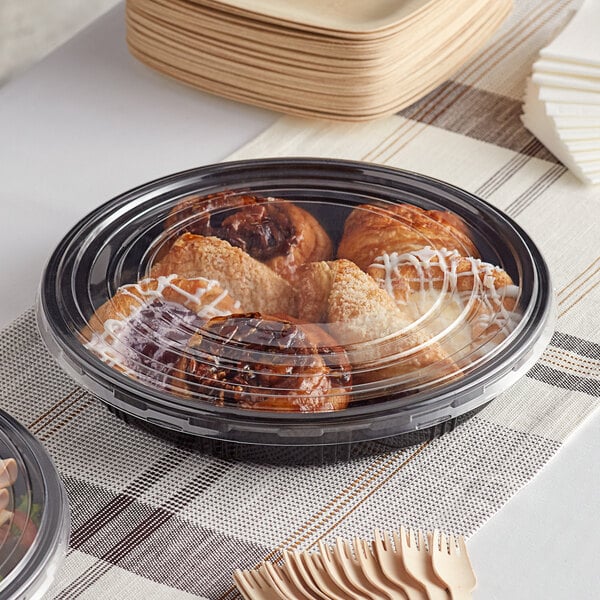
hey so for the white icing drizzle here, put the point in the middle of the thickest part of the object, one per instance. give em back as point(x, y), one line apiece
point(437, 298)
point(112, 346)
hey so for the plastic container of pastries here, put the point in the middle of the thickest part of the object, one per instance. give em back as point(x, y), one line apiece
point(34, 514)
point(297, 303)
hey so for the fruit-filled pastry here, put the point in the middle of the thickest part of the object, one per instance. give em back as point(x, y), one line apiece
point(274, 231)
point(466, 303)
point(265, 363)
point(370, 230)
point(143, 328)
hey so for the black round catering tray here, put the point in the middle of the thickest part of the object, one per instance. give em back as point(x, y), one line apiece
point(116, 243)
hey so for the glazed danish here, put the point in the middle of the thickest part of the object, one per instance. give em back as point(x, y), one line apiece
point(370, 231)
point(255, 285)
point(274, 231)
point(465, 302)
point(143, 328)
point(265, 363)
point(379, 337)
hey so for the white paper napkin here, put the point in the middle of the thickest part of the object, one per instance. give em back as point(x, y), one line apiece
point(579, 42)
point(562, 101)
point(542, 126)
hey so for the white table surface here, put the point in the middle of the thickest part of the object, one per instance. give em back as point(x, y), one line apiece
point(90, 122)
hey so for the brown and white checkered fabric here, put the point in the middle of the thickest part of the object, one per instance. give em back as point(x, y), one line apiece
point(155, 518)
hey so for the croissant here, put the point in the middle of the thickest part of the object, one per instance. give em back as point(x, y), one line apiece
point(142, 329)
point(255, 285)
point(380, 339)
point(370, 230)
point(271, 230)
point(266, 363)
point(467, 302)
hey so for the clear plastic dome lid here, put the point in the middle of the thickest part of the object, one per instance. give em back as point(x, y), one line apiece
point(295, 286)
point(34, 525)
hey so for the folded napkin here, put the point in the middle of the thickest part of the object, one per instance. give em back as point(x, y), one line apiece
point(566, 81)
point(579, 41)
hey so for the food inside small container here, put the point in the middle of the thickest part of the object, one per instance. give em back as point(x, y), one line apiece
point(260, 301)
point(34, 518)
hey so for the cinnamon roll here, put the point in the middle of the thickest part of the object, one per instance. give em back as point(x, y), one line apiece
point(370, 231)
point(265, 363)
point(144, 327)
point(271, 230)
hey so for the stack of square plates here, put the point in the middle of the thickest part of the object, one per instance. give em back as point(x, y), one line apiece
point(562, 101)
point(334, 59)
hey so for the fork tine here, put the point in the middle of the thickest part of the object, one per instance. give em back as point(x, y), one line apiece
point(388, 541)
point(323, 551)
point(344, 550)
point(462, 546)
point(412, 539)
point(242, 583)
point(356, 546)
point(446, 541)
point(377, 538)
point(400, 540)
point(437, 541)
point(420, 540)
point(452, 547)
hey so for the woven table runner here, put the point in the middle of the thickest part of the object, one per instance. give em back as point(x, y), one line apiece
point(153, 517)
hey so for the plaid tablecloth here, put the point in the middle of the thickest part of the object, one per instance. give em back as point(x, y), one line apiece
point(155, 518)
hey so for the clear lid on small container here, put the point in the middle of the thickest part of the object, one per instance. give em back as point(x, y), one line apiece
point(34, 522)
point(284, 289)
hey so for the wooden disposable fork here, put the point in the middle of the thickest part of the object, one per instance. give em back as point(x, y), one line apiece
point(417, 562)
point(452, 565)
point(254, 586)
point(354, 573)
point(299, 574)
point(284, 582)
point(373, 572)
point(333, 589)
point(407, 569)
point(337, 574)
point(390, 562)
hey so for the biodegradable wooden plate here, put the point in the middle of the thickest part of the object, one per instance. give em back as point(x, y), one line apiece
point(289, 101)
point(322, 52)
point(343, 17)
point(190, 18)
point(198, 47)
point(182, 27)
point(170, 37)
point(269, 93)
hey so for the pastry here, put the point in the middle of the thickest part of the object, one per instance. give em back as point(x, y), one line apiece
point(255, 285)
point(273, 231)
point(466, 302)
point(265, 363)
point(369, 231)
point(143, 328)
point(380, 339)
